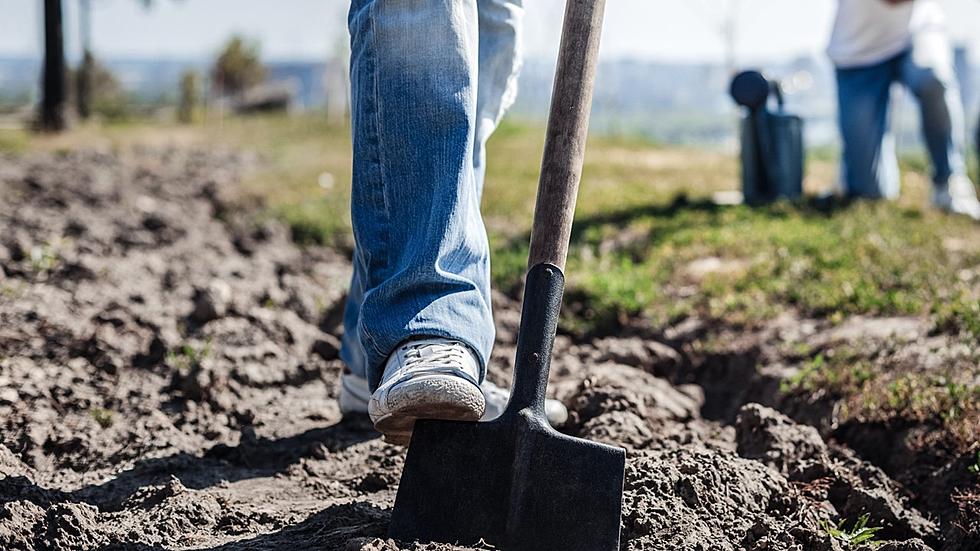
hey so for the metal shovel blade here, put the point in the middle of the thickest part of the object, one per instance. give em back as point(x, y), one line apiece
point(514, 482)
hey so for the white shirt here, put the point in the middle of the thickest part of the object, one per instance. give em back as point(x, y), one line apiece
point(870, 31)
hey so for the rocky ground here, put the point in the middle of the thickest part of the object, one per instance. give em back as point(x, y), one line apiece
point(168, 371)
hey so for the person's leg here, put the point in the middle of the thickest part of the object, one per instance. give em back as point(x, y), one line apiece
point(869, 167)
point(355, 390)
point(500, 62)
point(929, 74)
point(422, 262)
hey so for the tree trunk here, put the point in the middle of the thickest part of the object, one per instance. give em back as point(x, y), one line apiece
point(83, 85)
point(54, 84)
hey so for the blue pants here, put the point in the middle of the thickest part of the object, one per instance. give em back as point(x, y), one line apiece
point(430, 81)
point(870, 167)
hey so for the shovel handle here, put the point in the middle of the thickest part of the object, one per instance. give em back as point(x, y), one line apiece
point(561, 172)
point(568, 126)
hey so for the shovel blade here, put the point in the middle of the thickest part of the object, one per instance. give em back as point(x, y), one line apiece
point(514, 483)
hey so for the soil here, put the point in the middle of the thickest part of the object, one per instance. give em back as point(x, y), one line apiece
point(168, 374)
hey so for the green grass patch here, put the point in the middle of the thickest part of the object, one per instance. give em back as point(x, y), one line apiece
point(638, 250)
point(866, 259)
point(859, 534)
point(13, 141)
point(309, 226)
point(189, 356)
point(845, 374)
point(102, 416)
point(871, 385)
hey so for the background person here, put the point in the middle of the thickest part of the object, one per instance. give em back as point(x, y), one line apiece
point(874, 44)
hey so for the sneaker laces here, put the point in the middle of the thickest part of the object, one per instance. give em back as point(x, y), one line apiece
point(445, 354)
point(436, 357)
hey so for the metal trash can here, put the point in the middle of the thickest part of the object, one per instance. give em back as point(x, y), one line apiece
point(772, 151)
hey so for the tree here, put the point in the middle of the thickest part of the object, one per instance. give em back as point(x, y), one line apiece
point(83, 80)
point(238, 67)
point(189, 94)
point(83, 85)
point(723, 16)
point(54, 86)
point(337, 78)
point(109, 98)
point(85, 76)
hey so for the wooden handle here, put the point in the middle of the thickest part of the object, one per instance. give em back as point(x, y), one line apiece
point(568, 127)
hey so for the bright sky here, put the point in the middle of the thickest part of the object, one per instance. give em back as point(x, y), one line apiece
point(679, 30)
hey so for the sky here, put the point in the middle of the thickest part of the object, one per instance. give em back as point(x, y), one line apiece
point(667, 30)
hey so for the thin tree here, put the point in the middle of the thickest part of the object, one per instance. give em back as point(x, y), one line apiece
point(189, 95)
point(729, 33)
point(84, 77)
point(337, 78)
point(54, 85)
point(724, 19)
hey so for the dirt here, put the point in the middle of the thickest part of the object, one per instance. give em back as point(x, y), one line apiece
point(168, 373)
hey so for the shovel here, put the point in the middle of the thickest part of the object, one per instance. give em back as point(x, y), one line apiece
point(515, 482)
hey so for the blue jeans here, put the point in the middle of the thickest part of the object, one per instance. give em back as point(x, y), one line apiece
point(430, 81)
point(870, 166)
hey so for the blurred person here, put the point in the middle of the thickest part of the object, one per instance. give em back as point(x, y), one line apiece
point(874, 44)
point(430, 81)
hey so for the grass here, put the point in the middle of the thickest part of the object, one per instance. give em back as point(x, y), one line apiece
point(102, 416)
point(844, 371)
point(44, 258)
point(11, 291)
point(189, 356)
point(859, 534)
point(872, 385)
point(867, 259)
point(645, 227)
point(13, 141)
point(649, 244)
point(644, 217)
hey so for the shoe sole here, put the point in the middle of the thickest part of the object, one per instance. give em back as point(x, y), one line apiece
point(443, 398)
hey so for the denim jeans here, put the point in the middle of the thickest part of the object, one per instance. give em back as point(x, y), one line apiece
point(430, 81)
point(870, 166)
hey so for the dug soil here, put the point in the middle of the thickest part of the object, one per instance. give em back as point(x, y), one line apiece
point(169, 372)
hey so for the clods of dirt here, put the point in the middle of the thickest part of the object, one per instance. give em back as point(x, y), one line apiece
point(168, 376)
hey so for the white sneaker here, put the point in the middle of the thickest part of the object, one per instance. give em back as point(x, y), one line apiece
point(355, 395)
point(958, 197)
point(426, 379)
